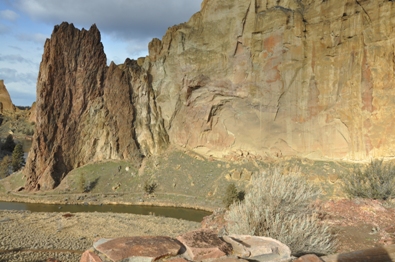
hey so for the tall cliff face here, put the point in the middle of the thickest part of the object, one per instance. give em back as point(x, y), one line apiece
point(308, 78)
point(260, 77)
point(87, 111)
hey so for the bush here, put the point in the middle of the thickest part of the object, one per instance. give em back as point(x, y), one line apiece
point(280, 206)
point(150, 187)
point(232, 195)
point(376, 181)
point(17, 158)
point(9, 144)
point(5, 166)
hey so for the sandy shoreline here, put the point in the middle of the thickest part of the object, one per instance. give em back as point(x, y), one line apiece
point(26, 236)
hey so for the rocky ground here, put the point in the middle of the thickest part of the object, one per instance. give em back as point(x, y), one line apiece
point(26, 236)
point(196, 182)
point(360, 223)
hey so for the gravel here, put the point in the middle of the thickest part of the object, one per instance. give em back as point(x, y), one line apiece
point(26, 236)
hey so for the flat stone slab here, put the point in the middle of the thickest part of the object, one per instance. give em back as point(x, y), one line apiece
point(143, 248)
point(89, 256)
point(204, 244)
point(258, 248)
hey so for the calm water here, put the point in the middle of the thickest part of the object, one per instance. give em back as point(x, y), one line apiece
point(174, 212)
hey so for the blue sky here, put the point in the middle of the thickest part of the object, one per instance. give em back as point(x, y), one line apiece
point(126, 28)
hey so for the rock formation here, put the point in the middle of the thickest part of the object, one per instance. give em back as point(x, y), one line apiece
point(87, 111)
point(261, 78)
point(6, 106)
point(32, 113)
point(307, 78)
point(198, 245)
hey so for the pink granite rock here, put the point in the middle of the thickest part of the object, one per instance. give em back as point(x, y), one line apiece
point(89, 256)
point(143, 248)
point(204, 244)
point(258, 248)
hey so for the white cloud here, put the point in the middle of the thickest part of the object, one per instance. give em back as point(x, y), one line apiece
point(8, 15)
point(4, 29)
point(36, 38)
point(10, 75)
point(126, 19)
point(15, 47)
point(21, 86)
point(138, 48)
point(14, 58)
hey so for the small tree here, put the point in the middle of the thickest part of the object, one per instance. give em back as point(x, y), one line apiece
point(17, 158)
point(9, 144)
point(5, 166)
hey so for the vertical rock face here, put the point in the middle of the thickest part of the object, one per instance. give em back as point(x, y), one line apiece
point(6, 106)
point(308, 78)
point(32, 113)
point(303, 78)
point(87, 111)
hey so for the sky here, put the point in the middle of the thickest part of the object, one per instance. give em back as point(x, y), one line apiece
point(126, 26)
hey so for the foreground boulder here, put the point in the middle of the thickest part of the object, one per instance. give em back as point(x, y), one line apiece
point(198, 245)
point(258, 248)
point(144, 248)
point(204, 244)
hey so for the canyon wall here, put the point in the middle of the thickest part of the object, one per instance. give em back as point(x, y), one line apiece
point(310, 78)
point(277, 78)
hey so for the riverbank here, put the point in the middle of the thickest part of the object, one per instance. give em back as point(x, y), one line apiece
point(26, 236)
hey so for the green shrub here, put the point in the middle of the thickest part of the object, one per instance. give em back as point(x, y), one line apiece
point(17, 158)
point(232, 195)
point(9, 144)
point(150, 187)
point(5, 166)
point(280, 206)
point(376, 181)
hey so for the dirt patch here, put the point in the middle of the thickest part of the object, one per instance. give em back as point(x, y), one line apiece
point(361, 223)
point(26, 236)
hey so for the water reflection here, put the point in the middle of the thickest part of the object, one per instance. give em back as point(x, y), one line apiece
point(181, 213)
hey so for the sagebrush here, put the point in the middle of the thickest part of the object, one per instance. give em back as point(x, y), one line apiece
point(150, 186)
point(376, 181)
point(280, 206)
point(232, 195)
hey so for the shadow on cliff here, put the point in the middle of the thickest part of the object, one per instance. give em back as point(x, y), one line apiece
point(91, 185)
